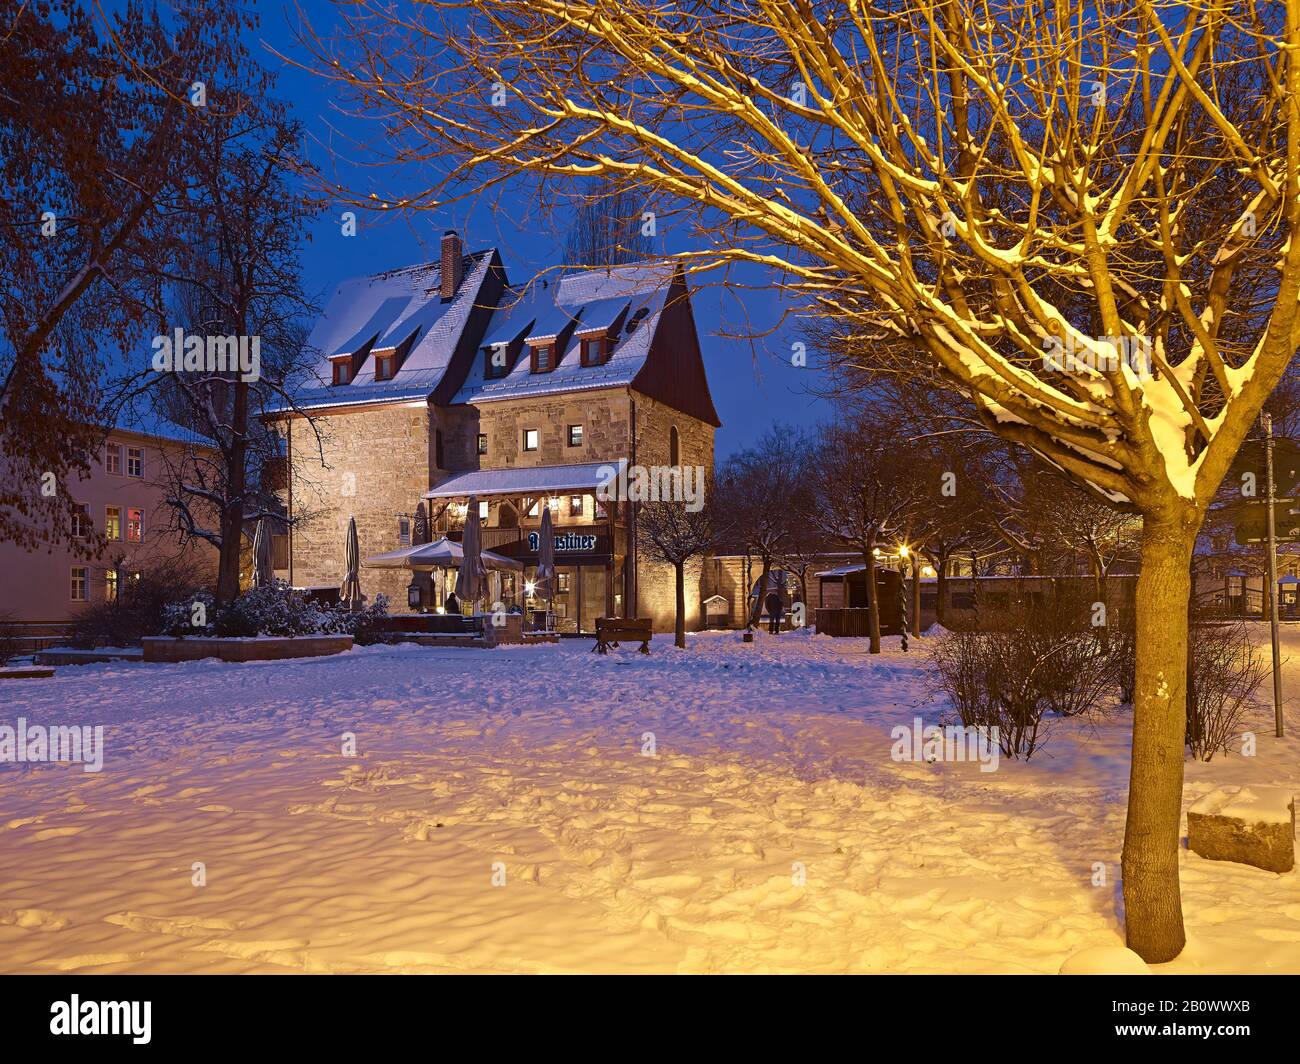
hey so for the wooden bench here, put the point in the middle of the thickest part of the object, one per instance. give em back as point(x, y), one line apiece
point(610, 631)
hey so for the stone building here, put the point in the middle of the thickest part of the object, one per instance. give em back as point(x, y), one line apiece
point(443, 383)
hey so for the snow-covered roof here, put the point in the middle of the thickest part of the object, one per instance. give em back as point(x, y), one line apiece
point(843, 570)
point(595, 300)
point(522, 480)
point(380, 313)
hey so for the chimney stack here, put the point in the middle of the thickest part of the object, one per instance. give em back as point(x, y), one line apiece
point(452, 263)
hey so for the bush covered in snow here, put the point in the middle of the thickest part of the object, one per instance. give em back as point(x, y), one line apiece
point(141, 607)
point(275, 610)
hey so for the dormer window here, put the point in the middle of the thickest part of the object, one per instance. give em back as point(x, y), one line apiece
point(496, 360)
point(543, 357)
point(386, 366)
point(342, 369)
point(595, 350)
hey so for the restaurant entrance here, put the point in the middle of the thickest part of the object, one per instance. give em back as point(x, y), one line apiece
point(579, 596)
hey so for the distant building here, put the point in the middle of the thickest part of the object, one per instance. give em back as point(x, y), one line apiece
point(441, 382)
point(122, 501)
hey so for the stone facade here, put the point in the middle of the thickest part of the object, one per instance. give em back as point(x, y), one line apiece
point(656, 581)
point(604, 416)
point(376, 466)
point(379, 461)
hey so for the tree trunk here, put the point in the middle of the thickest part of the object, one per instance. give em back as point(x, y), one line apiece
point(232, 515)
point(916, 595)
point(873, 604)
point(756, 610)
point(1153, 910)
point(941, 589)
point(679, 571)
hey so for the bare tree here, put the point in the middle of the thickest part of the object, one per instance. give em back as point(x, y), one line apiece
point(755, 489)
point(240, 280)
point(864, 495)
point(1112, 186)
point(669, 532)
point(608, 229)
point(96, 123)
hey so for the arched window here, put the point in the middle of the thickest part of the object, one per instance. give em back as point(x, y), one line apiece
point(674, 458)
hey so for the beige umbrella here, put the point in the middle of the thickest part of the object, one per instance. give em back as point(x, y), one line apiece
point(546, 560)
point(350, 592)
point(472, 575)
point(262, 554)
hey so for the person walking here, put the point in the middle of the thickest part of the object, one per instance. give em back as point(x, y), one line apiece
point(774, 609)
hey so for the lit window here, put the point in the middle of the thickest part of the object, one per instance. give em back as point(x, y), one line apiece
point(404, 531)
point(80, 521)
point(112, 522)
point(482, 443)
point(135, 461)
point(483, 511)
point(543, 358)
point(110, 585)
point(575, 435)
point(530, 439)
point(601, 512)
point(134, 525)
point(534, 509)
point(78, 583)
point(575, 505)
point(113, 458)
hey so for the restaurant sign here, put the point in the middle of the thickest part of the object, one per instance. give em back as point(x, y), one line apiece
point(565, 542)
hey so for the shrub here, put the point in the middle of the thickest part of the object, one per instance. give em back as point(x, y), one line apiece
point(990, 679)
point(1036, 657)
point(277, 610)
point(1224, 669)
point(8, 637)
point(140, 609)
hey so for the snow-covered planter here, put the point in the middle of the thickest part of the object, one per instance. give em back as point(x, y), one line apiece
point(243, 648)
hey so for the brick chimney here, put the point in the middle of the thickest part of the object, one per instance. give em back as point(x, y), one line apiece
point(452, 264)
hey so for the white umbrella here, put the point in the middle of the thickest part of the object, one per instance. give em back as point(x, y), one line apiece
point(261, 554)
point(440, 554)
point(350, 592)
point(472, 573)
point(546, 559)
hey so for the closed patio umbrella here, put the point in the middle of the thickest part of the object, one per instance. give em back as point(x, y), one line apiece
point(546, 560)
point(472, 575)
point(262, 554)
point(350, 592)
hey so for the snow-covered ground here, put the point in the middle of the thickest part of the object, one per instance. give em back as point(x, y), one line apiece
point(768, 758)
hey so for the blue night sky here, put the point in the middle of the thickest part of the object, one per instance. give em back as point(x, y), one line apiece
point(753, 382)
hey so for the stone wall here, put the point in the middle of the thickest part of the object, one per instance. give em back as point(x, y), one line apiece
point(656, 592)
point(603, 415)
point(376, 466)
point(379, 461)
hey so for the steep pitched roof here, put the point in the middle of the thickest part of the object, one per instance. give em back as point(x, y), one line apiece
point(387, 311)
point(545, 309)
